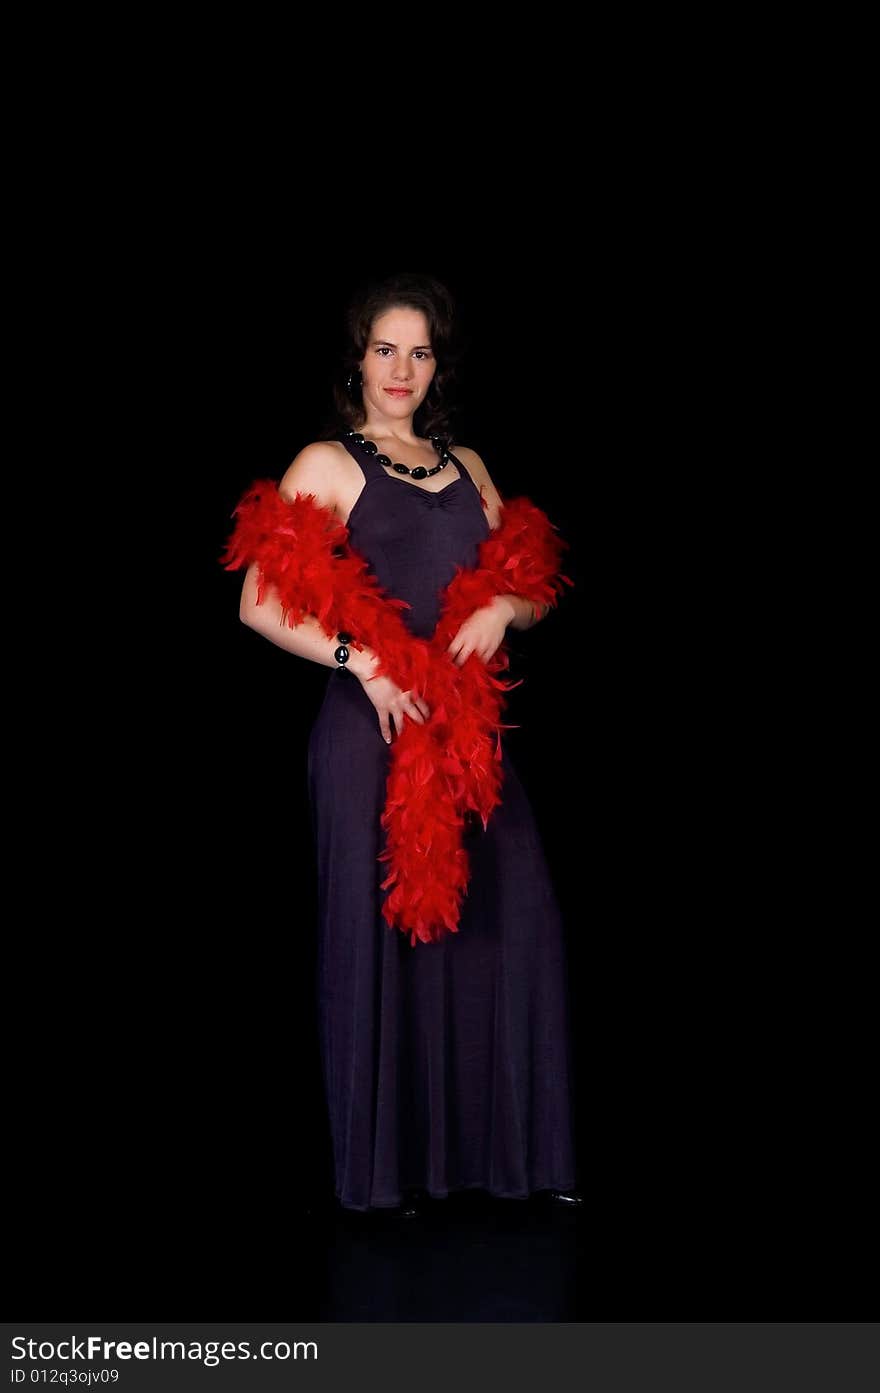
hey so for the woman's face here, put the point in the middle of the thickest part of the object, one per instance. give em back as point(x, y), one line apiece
point(398, 356)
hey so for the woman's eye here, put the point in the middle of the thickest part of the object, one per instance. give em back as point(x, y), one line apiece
point(420, 351)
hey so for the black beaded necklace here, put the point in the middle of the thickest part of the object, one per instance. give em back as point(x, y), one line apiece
point(420, 472)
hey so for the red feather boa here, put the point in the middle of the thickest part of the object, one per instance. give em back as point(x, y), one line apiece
point(442, 769)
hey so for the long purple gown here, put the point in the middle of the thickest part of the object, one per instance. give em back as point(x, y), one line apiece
point(448, 1065)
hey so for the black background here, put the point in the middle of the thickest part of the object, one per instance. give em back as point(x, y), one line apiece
point(168, 1073)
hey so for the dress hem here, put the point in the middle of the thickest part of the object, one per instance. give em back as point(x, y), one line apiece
point(457, 1189)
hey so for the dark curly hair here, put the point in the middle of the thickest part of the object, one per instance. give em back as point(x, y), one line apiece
point(412, 290)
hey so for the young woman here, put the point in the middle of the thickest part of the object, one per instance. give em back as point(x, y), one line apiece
point(446, 1063)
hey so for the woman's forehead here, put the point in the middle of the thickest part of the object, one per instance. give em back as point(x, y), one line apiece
point(400, 321)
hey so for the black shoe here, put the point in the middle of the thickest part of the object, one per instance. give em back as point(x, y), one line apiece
point(566, 1199)
point(558, 1199)
point(412, 1205)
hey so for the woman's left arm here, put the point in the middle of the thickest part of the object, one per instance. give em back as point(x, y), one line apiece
point(524, 614)
point(484, 631)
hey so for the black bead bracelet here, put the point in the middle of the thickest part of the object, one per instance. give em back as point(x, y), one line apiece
point(343, 653)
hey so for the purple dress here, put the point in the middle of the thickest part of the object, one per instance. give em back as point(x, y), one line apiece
point(446, 1066)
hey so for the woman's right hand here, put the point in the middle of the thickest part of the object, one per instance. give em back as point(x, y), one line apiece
point(392, 703)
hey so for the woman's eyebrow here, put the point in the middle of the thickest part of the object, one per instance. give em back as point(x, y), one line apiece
point(389, 344)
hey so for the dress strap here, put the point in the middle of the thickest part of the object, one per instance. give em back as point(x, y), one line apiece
point(369, 467)
point(462, 468)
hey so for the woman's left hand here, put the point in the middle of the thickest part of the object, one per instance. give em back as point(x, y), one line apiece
point(482, 632)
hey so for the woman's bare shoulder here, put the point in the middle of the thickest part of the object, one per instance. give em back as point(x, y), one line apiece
point(317, 469)
point(476, 466)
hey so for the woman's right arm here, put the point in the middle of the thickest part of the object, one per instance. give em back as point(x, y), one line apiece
point(306, 639)
point(312, 471)
point(315, 471)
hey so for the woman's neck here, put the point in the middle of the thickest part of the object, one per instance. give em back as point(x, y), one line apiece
point(380, 431)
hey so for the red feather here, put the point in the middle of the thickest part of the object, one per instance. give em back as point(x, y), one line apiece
point(447, 767)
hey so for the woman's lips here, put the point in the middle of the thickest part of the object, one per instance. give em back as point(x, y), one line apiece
point(398, 391)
